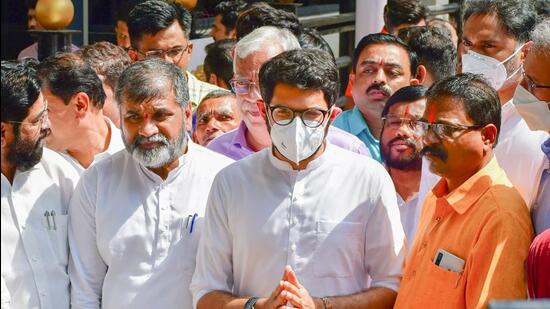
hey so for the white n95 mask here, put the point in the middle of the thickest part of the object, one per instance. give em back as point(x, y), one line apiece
point(296, 141)
point(534, 111)
point(493, 70)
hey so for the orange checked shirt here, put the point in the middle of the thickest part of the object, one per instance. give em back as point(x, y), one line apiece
point(484, 222)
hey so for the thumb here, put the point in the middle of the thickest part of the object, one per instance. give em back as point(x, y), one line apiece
point(291, 277)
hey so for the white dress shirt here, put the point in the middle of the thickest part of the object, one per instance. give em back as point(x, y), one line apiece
point(35, 249)
point(115, 145)
point(407, 211)
point(130, 236)
point(517, 152)
point(336, 223)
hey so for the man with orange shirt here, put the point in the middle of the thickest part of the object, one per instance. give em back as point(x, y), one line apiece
point(474, 231)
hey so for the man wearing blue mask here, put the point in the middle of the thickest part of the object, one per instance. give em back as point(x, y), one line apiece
point(494, 42)
point(318, 221)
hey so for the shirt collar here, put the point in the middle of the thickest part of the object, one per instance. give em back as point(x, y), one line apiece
point(463, 197)
point(183, 160)
point(239, 139)
point(357, 123)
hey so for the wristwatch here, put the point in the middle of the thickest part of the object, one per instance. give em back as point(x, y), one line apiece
point(251, 302)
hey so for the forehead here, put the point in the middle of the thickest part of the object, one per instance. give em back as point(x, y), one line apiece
point(166, 101)
point(249, 66)
point(486, 27)
point(445, 108)
point(296, 98)
point(166, 38)
point(388, 53)
point(404, 109)
point(217, 104)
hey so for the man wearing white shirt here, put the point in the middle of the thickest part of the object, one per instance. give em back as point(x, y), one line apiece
point(36, 189)
point(80, 131)
point(494, 43)
point(319, 220)
point(136, 216)
point(400, 146)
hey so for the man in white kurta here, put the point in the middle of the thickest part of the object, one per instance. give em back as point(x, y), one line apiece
point(36, 188)
point(136, 216)
point(332, 217)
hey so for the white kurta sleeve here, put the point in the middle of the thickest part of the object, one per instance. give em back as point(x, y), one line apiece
point(86, 267)
point(384, 247)
point(214, 268)
point(5, 296)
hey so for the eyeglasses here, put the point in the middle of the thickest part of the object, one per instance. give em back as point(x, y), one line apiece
point(241, 86)
point(173, 53)
point(39, 122)
point(442, 130)
point(283, 116)
point(397, 122)
point(531, 85)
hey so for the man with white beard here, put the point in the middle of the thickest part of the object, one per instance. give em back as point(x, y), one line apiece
point(136, 216)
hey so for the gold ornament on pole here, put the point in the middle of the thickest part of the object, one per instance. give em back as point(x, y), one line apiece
point(54, 14)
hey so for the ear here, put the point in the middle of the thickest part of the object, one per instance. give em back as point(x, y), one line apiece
point(421, 74)
point(525, 50)
point(188, 114)
point(81, 103)
point(194, 137)
point(489, 135)
point(4, 140)
point(189, 47)
point(351, 78)
point(261, 106)
point(213, 79)
point(133, 55)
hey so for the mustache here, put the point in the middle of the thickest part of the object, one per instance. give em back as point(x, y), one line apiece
point(435, 151)
point(380, 87)
point(409, 141)
point(157, 138)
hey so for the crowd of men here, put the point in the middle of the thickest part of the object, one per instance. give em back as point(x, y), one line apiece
point(128, 182)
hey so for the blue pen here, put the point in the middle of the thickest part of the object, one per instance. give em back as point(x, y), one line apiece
point(193, 222)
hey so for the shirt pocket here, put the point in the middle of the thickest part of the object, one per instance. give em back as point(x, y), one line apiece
point(58, 234)
point(339, 248)
point(443, 279)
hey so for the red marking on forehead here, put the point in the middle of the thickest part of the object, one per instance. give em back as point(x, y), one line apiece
point(381, 61)
point(431, 113)
point(406, 112)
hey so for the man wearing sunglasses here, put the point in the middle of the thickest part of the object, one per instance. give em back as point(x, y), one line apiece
point(301, 221)
point(400, 145)
point(36, 187)
point(252, 136)
point(474, 230)
point(159, 29)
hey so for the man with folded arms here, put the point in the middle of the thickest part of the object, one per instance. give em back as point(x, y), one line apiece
point(474, 230)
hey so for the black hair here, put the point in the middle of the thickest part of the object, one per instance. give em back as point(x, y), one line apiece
point(405, 94)
point(261, 14)
point(218, 59)
point(124, 7)
point(311, 38)
point(398, 12)
point(20, 89)
point(218, 93)
point(302, 68)
point(31, 4)
point(435, 50)
point(152, 16)
point(66, 74)
point(106, 59)
point(480, 100)
point(151, 78)
point(517, 17)
point(229, 11)
point(385, 39)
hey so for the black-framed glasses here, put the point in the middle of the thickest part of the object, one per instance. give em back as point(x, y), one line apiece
point(443, 130)
point(242, 86)
point(173, 53)
point(531, 85)
point(312, 117)
point(397, 122)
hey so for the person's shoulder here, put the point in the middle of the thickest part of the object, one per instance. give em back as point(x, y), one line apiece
point(354, 161)
point(341, 119)
point(57, 166)
point(248, 165)
point(209, 157)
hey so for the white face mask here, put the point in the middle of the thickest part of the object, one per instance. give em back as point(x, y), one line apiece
point(493, 70)
point(296, 141)
point(534, 111)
